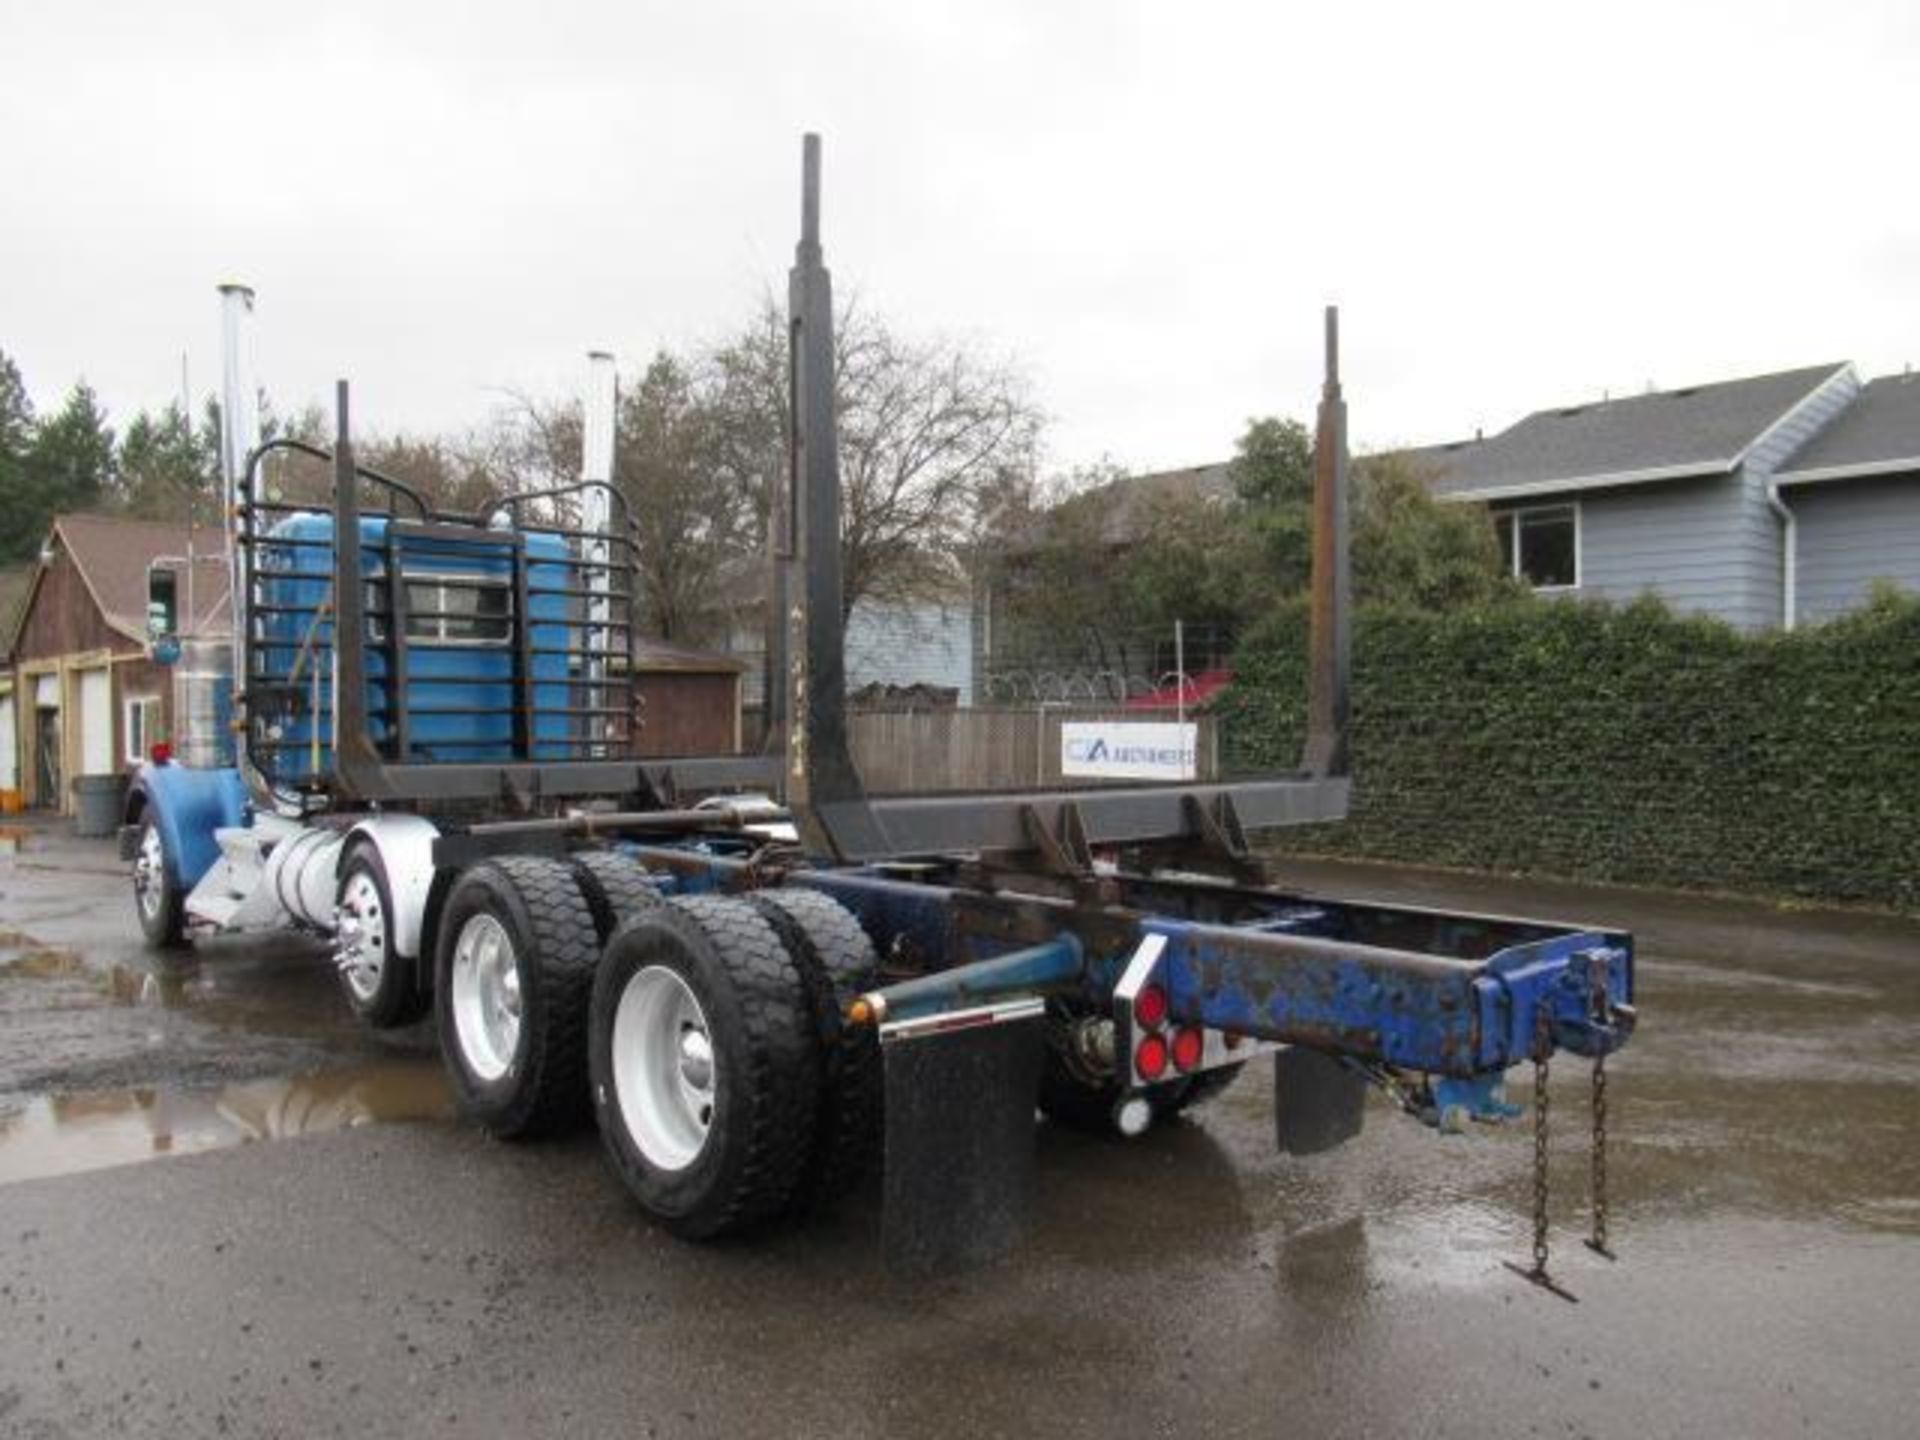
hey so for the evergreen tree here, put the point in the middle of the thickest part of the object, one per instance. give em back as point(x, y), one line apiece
point(166, 469)
point(71, 463)
point(18, 537)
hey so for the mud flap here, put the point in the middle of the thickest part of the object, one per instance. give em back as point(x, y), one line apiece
point(959, 1144)
point(1318, 1103)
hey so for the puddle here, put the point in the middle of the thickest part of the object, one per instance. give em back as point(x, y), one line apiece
point(40, 964)
point(122, 984)
point(68, 1134)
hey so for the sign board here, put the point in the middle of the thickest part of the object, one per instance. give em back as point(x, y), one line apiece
point(1128, 750)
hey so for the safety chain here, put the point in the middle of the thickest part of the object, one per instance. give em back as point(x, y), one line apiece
point(1597, 1242)
point(1542, 1047)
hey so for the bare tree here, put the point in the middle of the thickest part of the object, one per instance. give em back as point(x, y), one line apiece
point(932, 437)
point(928, 431)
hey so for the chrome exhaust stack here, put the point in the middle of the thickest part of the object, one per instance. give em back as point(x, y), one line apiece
point(239, 438)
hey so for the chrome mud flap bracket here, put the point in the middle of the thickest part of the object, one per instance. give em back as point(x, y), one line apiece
point(958, 1169)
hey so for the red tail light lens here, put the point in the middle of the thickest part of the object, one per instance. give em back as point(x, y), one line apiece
point(160, 752)
point(1150, 1059)
point(1150, 1006)
point(1188, 1046)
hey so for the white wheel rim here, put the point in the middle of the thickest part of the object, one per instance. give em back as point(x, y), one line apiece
point(665, 1074)
point(486, 997)
point(360, 933)
point(150, 874)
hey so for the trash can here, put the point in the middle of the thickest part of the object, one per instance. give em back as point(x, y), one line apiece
point(98, 803)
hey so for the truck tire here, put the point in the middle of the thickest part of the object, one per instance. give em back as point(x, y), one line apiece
point(836, 961)
point(705, 1065)
point(614, 887)
point(382, 986)
point(157, 896)
point(513, 975)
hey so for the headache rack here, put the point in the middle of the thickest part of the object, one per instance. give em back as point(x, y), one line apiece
point(445, 656)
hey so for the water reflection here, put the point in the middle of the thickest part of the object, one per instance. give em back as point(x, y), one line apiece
point(68, 1134)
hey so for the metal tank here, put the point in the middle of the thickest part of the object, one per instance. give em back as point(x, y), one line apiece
point(203, 702)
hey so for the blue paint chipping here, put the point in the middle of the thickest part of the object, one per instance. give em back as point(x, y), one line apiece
point(1460, 1000)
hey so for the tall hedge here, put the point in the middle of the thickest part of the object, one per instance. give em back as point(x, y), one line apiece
point(1621, 744)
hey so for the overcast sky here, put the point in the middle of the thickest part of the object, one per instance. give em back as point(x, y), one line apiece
point(1515, 205)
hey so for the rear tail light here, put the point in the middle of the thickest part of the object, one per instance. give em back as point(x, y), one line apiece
point(1188, 1046)
point(1150, 1058)
point(1150, 1007)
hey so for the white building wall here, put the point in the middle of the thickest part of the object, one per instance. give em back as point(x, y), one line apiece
point(911, 644)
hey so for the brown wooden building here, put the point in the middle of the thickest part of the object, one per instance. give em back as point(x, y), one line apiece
point(689, 700)
point(78, 695)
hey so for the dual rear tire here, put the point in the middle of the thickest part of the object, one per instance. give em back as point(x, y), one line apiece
point(704, 1064)
point(702, 1033)
point(513, 973)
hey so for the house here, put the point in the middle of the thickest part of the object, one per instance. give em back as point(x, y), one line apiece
point(912, 642)
point(926, 640)
point(1669, 493)
point(1851, 498)
point(1767, 501)
point(78, 693)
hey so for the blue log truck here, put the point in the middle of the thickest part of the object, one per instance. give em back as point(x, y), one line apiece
point(761, 981)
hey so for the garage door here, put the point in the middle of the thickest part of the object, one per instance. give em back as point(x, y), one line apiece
point(9, 748)
point(96, 723)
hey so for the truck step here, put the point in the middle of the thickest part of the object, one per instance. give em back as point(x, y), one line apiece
point(213, 909)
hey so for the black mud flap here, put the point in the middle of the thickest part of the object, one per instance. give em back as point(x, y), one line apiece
point(1318, 1103)
point(959, 1147)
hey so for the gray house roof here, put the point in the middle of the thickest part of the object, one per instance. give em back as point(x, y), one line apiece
point(1878, 434)
point(1126, 506)
point(1663, 435)
point(1432, 463)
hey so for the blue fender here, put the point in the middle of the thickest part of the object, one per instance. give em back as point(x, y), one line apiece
point(186, 806)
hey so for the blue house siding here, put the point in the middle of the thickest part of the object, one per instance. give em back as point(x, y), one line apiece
point(1673, 486)
point(1762, 537)
point(928, 644)
point(1672, 540)
point(1853, 532)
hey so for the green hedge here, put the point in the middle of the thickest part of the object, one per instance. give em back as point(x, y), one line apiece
point(1619, 744)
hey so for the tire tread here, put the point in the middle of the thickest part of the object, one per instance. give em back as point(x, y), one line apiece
point(615, 888)
point(779, 1048)
point(559, 958)
point(837, 961)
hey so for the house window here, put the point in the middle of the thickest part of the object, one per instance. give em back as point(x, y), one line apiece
point(142, 727)
point(1541, 545)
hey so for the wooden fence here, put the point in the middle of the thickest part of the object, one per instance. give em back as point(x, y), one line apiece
point(917, 752)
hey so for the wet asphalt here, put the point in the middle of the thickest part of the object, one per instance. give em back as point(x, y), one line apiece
point(225, 1210)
